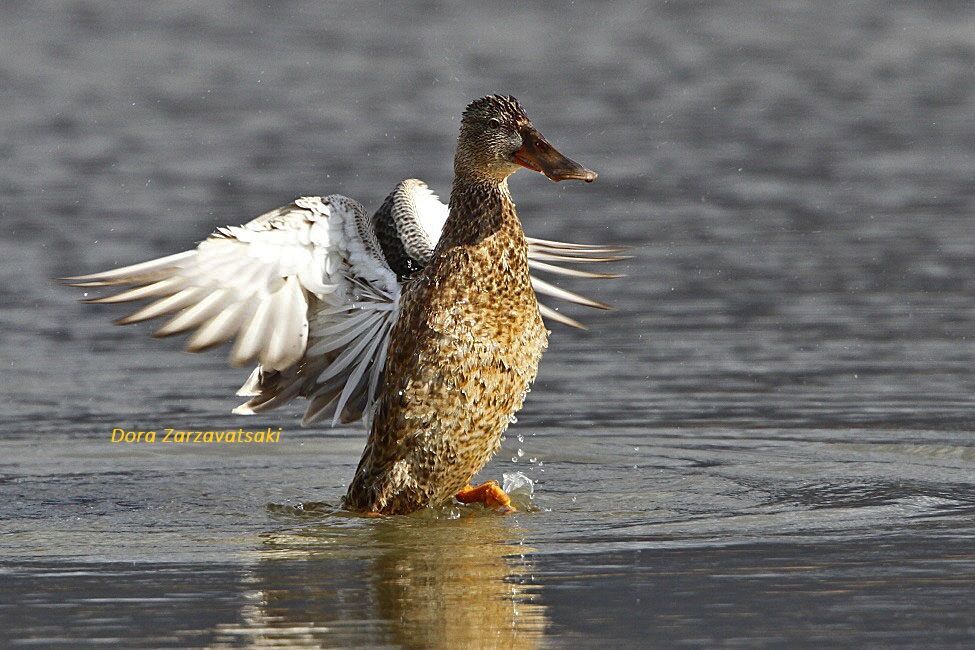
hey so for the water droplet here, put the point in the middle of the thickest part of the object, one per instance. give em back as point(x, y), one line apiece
point(521, 438)
point(514, 459)
point(513, 419)
point(532, 460)
point(521, 453)
point(636, 449)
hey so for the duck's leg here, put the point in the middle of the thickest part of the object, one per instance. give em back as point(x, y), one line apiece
point(489, 494)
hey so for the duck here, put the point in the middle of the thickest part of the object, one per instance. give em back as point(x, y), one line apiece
point(421, 321)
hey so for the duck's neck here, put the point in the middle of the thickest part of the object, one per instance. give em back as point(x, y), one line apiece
point(479, 208)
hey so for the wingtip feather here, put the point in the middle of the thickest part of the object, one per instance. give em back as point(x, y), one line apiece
point(548, 312)
point(541, 286)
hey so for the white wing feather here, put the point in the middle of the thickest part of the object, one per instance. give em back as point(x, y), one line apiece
point(249, 282)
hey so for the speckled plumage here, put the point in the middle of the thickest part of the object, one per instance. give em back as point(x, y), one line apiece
point(465, 348)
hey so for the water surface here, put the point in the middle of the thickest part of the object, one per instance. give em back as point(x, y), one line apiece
point(769, 442)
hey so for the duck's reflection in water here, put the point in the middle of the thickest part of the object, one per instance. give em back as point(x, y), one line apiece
point(418, 581)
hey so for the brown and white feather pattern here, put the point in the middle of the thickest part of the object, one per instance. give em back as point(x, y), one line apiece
point(309, 292)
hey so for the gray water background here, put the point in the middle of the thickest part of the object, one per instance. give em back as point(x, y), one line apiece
point(769, 442)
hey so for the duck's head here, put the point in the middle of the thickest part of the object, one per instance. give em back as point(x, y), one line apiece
point(496, 138)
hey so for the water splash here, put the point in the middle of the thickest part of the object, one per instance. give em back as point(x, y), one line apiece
point(520, 488)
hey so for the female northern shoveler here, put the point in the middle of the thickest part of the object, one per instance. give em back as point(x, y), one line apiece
point(422, 319)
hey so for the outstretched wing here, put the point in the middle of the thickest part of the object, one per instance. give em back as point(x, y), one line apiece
point(311, 291)
point(302, 289)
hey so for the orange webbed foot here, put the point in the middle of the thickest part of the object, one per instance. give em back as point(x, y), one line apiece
point(489, 494)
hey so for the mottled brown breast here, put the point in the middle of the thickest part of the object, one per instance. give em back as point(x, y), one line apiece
point(465, 349)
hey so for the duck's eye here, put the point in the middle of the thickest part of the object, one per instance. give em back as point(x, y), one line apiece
point(494, 123)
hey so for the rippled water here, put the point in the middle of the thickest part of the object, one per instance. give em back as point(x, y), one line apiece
point(769, 442)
